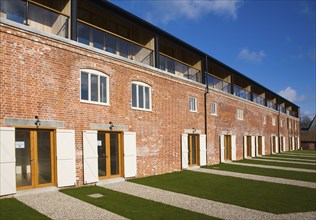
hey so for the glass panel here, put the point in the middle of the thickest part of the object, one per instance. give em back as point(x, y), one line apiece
point(103, 95)
point(123, 47)
point(147, 101)
point(84, 86)
point(140, 96)
point(44, 157)
point(98, 39)
point(110, 44)
point(14, 10)
point(23, 158)
point(83, 33)
point(114, 153)
point(101, 154)
point(134, 95)
point(48, 21)
point(94, 88)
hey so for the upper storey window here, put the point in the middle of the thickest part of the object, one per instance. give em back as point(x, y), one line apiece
point(141, 96)
point(94, 87)
point(193, 104)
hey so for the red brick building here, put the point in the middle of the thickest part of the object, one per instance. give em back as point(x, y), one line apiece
point(91, 92)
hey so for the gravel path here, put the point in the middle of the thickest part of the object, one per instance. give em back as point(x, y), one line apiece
point(57, 205)
point(208, 207)
point(282, 161)
point(273, 167)
point(293, 159)
point(259, 178)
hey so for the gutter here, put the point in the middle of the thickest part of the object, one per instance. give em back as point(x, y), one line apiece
point(205, 104)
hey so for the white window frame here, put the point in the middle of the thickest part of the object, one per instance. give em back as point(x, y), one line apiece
point(281, 123)
point(193, 106)
point(144, 96)
point(290, 125)
point(273, 121)
point(240, 114)
point(214, 107)
point(264, 119)
point(98, 74)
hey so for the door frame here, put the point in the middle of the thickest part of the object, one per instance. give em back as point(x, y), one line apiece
point(228, 147)
point(108, 159)
point(197, 149)
point(34, 155)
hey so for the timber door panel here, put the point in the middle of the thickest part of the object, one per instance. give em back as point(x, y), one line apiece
point(259, 145)
point(249, 147)
point(35, 165)
point(110, 154)
point(227, 147)
point(193, 147)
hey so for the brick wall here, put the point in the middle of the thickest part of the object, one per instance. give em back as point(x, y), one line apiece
point(41, 76)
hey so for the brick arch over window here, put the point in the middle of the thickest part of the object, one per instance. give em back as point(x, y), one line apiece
point(94, 87)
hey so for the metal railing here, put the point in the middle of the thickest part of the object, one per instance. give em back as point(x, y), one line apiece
point(271, 104)
point(258, 99)
point(99, 38)
point(171, 65)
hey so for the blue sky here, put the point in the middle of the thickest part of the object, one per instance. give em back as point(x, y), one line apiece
point(270, 41)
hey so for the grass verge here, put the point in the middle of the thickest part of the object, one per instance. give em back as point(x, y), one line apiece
point(280, 164)
point(13, 209)
point(263, 196)
point(293, 175)
point(130, 206)
point(283, 155)
point(287, 159)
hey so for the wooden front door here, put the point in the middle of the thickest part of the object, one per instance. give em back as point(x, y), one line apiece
point(227, 147)
point(194, 146)
point(259, 145)
point(249, 147)
point(110, 154)
point(35, 164)
point(273, 145)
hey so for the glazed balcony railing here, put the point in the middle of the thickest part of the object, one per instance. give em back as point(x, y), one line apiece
point(258, 99)
point(102, 39)
point(177, 67)
point(271, 104)
point(36, 15)
point(217, 83)
point(242, 93)
point(281, 108)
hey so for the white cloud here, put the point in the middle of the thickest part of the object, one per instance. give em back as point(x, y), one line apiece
point(166, 11)
point(308, 114)
point(251, 56)
point(290, 94)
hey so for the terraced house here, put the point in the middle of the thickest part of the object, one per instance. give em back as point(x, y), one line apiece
point(91, 92)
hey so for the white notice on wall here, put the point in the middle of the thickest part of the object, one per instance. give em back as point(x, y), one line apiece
point(99, 143)
point(19, 144)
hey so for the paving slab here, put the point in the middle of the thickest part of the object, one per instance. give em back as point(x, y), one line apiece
point(57, 205)
point(259, 178)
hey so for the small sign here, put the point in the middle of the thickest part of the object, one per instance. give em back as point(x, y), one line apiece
point(99, 143)
point(19, 144)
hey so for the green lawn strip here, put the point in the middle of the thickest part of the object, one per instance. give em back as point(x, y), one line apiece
point(11, 208)
point(293, 175)
point(263, 196)
point(289, 156)
point(287, 159)
point(280, 164)
point(312, 152)
point(130, 206)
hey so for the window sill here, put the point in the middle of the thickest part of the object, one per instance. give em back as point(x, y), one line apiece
point(95, 103)
point(142, 109)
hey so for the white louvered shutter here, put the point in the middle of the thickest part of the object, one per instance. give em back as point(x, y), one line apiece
point(130, 163)
point(184, 151)
point(203, 157)
point(90, 156)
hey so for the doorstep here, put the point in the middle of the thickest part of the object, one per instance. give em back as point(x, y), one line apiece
point(35, 191)
point(110, 180)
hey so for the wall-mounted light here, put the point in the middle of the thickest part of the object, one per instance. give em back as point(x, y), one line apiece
point(37, 122)
point(194, 130)
point(111, 125)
